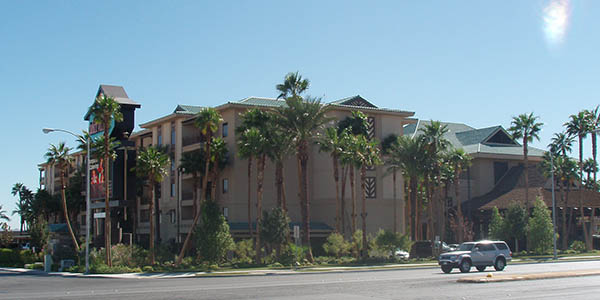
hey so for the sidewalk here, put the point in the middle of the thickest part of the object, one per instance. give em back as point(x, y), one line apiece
point(262, 272)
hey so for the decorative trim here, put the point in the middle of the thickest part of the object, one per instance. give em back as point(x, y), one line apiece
point(370, 187)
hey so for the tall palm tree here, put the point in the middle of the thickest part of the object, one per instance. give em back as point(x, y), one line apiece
point(17, 189)
point(281, 146)
point(207, 121)
point(105, 111)
point(59, 157)
point(435, 144)
point(561, 143)
point(367, 154)
point(526, 127)
point(590, 167)
point(389, 149)
point(247, 147)
point(579, 125)
point(303, 118)
point(293, 85)
point(152, 164)
point(219, 158)
point(192, 163)
point(411, 156)
point(594, 116)
point(331, 143)
point(460, 161)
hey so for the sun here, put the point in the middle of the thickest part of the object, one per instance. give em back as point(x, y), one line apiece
point(556, 20)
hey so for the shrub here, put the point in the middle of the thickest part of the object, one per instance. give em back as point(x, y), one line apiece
point(10, 258)
point(104, 269)
point(578, 246)
point(336, 245)
point(28, 257)
point(212, 234)
point(244, 251)
point(539, 228)
point(387, 242)
point(275, 229)
point(497, 228)
point(293, 255)
point(147, 269)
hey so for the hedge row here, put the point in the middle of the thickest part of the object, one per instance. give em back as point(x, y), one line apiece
point(16, 257)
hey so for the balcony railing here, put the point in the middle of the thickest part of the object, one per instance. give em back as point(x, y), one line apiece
point(190, 140)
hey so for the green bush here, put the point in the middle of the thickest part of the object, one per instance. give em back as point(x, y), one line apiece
point(212, 234)
point(104, 269)
point(539, 228)
point(388, 242)
point(578, 246)
point(244, 252)
point(28, 257)
point(336, 245)
point(293, 255)
point(10, 258)
point(147, 269)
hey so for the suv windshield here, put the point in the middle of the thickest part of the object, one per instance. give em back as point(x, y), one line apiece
point(465, 247)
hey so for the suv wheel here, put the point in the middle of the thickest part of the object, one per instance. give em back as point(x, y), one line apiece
point(500, 264)
point(480, 268)
point(447, 269)
point(465, 266)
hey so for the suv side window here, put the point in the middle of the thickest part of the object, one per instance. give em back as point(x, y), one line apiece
point(486, 247)
point(501, 246)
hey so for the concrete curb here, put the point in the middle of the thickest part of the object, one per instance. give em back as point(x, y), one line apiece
point(519, 277)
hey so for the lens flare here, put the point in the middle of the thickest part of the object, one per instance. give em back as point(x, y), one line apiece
point(556, 20)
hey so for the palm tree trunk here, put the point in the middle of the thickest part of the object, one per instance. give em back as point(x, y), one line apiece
point(413, 208)
point(429, 195)
point(406, 199)
point(186, 243)
point(525, 152)
point(343, 200)
point(152, 220)
point(303, 160)
point(395, 203)
point(249, 196)
point(336, 178)
point(594, 150)
point(279, 182)
point(588, 244)
point(565, 235)
point(363, 178)
point(64, 205)
point(459, 216)
point(353, 192)
point(260, 174)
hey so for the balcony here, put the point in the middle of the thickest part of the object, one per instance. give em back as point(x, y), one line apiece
point(191, 140)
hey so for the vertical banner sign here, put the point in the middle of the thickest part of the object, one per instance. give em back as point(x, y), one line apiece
point(97, 180)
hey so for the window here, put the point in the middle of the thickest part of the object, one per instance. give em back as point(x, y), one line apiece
point(172, 187)
point(225, 185)
point(173, 133)
point(187, 212)
point(500, 168)
point(225, 130)
point(159, 136)
point(145, 215)
point(173, 216)
point(226, 213)
point(501, 246)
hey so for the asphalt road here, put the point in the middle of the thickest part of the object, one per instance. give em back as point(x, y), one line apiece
point(426, 283)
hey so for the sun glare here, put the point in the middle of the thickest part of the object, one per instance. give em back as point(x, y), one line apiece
point(556, 20)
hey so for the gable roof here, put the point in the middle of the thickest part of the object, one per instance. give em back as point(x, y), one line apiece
point(489, 140)
point(354, 101)
point(115, 91)
point(187, 109)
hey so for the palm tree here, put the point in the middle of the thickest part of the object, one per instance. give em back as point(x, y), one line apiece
point(105, 111)
point(436, 143)
point(17, 189)
point(579, 125)
point(411, 156)
point(594, 116)
point(281, 146)
point(207, 121)
point(367, 154)
point(192, 163)
point(590, 167)
point(302, 119)
point(525, 126)
point(561, 143)
point(59, 157)
point(388, 147)
point(247, 147)
point(460, 161)
point(331, 143)
point(293, 85)
point(152, 164)
point(219, 158)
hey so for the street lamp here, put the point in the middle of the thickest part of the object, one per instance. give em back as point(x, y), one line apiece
point(87, 194)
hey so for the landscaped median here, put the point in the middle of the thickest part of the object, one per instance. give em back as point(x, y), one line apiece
point(535, 276)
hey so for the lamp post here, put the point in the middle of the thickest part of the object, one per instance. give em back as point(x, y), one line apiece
point(87, 194)
point(553, 205)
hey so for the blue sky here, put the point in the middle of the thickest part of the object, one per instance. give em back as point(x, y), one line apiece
point(476, 62)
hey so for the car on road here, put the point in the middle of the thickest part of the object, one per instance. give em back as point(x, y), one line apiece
point(480, 254)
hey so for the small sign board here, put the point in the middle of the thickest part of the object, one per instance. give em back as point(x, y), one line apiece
point(100, 215)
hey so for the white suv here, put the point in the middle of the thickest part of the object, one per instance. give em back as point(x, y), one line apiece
point(480, 254)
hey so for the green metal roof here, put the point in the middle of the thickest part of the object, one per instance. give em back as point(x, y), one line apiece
point(475, 140)
point(188, 109)
point(260, 101)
